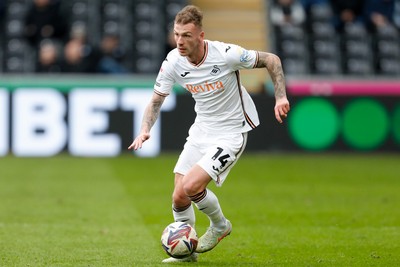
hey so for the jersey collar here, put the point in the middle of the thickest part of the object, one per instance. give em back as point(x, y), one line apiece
point(204, 56)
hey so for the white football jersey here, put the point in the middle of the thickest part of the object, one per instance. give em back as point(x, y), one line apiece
point(222, 103)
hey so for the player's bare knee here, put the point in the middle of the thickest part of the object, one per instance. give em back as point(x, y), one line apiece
point(179, 198)
point(192, 188)
point(180, 201)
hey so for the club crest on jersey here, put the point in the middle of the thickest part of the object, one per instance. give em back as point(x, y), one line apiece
point(244, 56)
point(216, 70)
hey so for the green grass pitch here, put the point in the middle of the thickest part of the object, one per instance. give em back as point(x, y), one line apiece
point(286, 210)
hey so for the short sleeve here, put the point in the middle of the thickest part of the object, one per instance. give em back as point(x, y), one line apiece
point(239, 58)
point(164, 81)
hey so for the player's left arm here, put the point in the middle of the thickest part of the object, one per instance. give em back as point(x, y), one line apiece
point(274, 66)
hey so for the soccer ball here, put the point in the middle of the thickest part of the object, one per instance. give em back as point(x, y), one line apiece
point(179, 240)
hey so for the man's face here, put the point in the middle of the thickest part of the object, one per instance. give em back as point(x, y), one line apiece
point(188, 38)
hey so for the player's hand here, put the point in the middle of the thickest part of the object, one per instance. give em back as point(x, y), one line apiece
point(138, 142)
point(282, 108)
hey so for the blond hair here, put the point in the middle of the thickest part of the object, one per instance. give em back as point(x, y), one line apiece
point(190, 14)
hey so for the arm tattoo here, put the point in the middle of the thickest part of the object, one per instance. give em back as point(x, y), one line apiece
point(151, 113)
point(274, 67)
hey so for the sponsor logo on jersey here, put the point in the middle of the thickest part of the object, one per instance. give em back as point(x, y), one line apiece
point(205, 87)
point(227, 49)
point(215, 70)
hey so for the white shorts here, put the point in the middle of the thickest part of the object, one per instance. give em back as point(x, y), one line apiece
point(215, 153)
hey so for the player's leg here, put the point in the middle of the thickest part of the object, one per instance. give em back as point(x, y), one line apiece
point(182, 211)
point(215, 164)
point(194, 185)
point(182, 208)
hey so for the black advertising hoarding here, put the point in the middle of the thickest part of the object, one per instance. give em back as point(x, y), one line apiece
point(315, 123)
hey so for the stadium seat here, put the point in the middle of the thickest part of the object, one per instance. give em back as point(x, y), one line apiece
point(84, 13)
point(387, 32)
point(149, 27)
point(16, 46)
point(387, 48)
point(291, 48)
point(359, 49)
point(117, 19)
point(80, 10)
point(323, 31)
point(355, 31)
point(321, 12)
point(325, 57)
point(111, 27)
point(326, 49)
point(14, 64)
point(290, 32)
point(145, 65)
point(111, 10)
point(139, 22)
point(16, 9)
point(327, 66)
point(359, 66)
point(15, 28)
point(172, 7)
point(143, 46)
point(18, 56)
point(295, 66)
point(147, 11)
point(389, 66)
point(358, 53)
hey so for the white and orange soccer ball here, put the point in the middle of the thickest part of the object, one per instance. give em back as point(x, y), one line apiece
point(179, 240)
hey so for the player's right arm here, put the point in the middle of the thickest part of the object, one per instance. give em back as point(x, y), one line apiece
point(162, 88)
point(150, 116)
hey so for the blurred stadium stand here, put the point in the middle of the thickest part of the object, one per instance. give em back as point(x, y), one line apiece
point(141, 26)
point(312, 48)
point(317, 48)
point(16, 52)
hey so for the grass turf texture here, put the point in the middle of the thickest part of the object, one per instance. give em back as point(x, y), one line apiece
point(286, 210)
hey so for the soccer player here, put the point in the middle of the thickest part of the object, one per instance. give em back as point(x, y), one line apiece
point(225, 112)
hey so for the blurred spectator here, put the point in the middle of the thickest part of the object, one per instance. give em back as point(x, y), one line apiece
point(45, 20)
point(79, 55)
point(49, 57)
point(111, 55)
point(284, 12)
point(378, 13)
point(346, 12)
